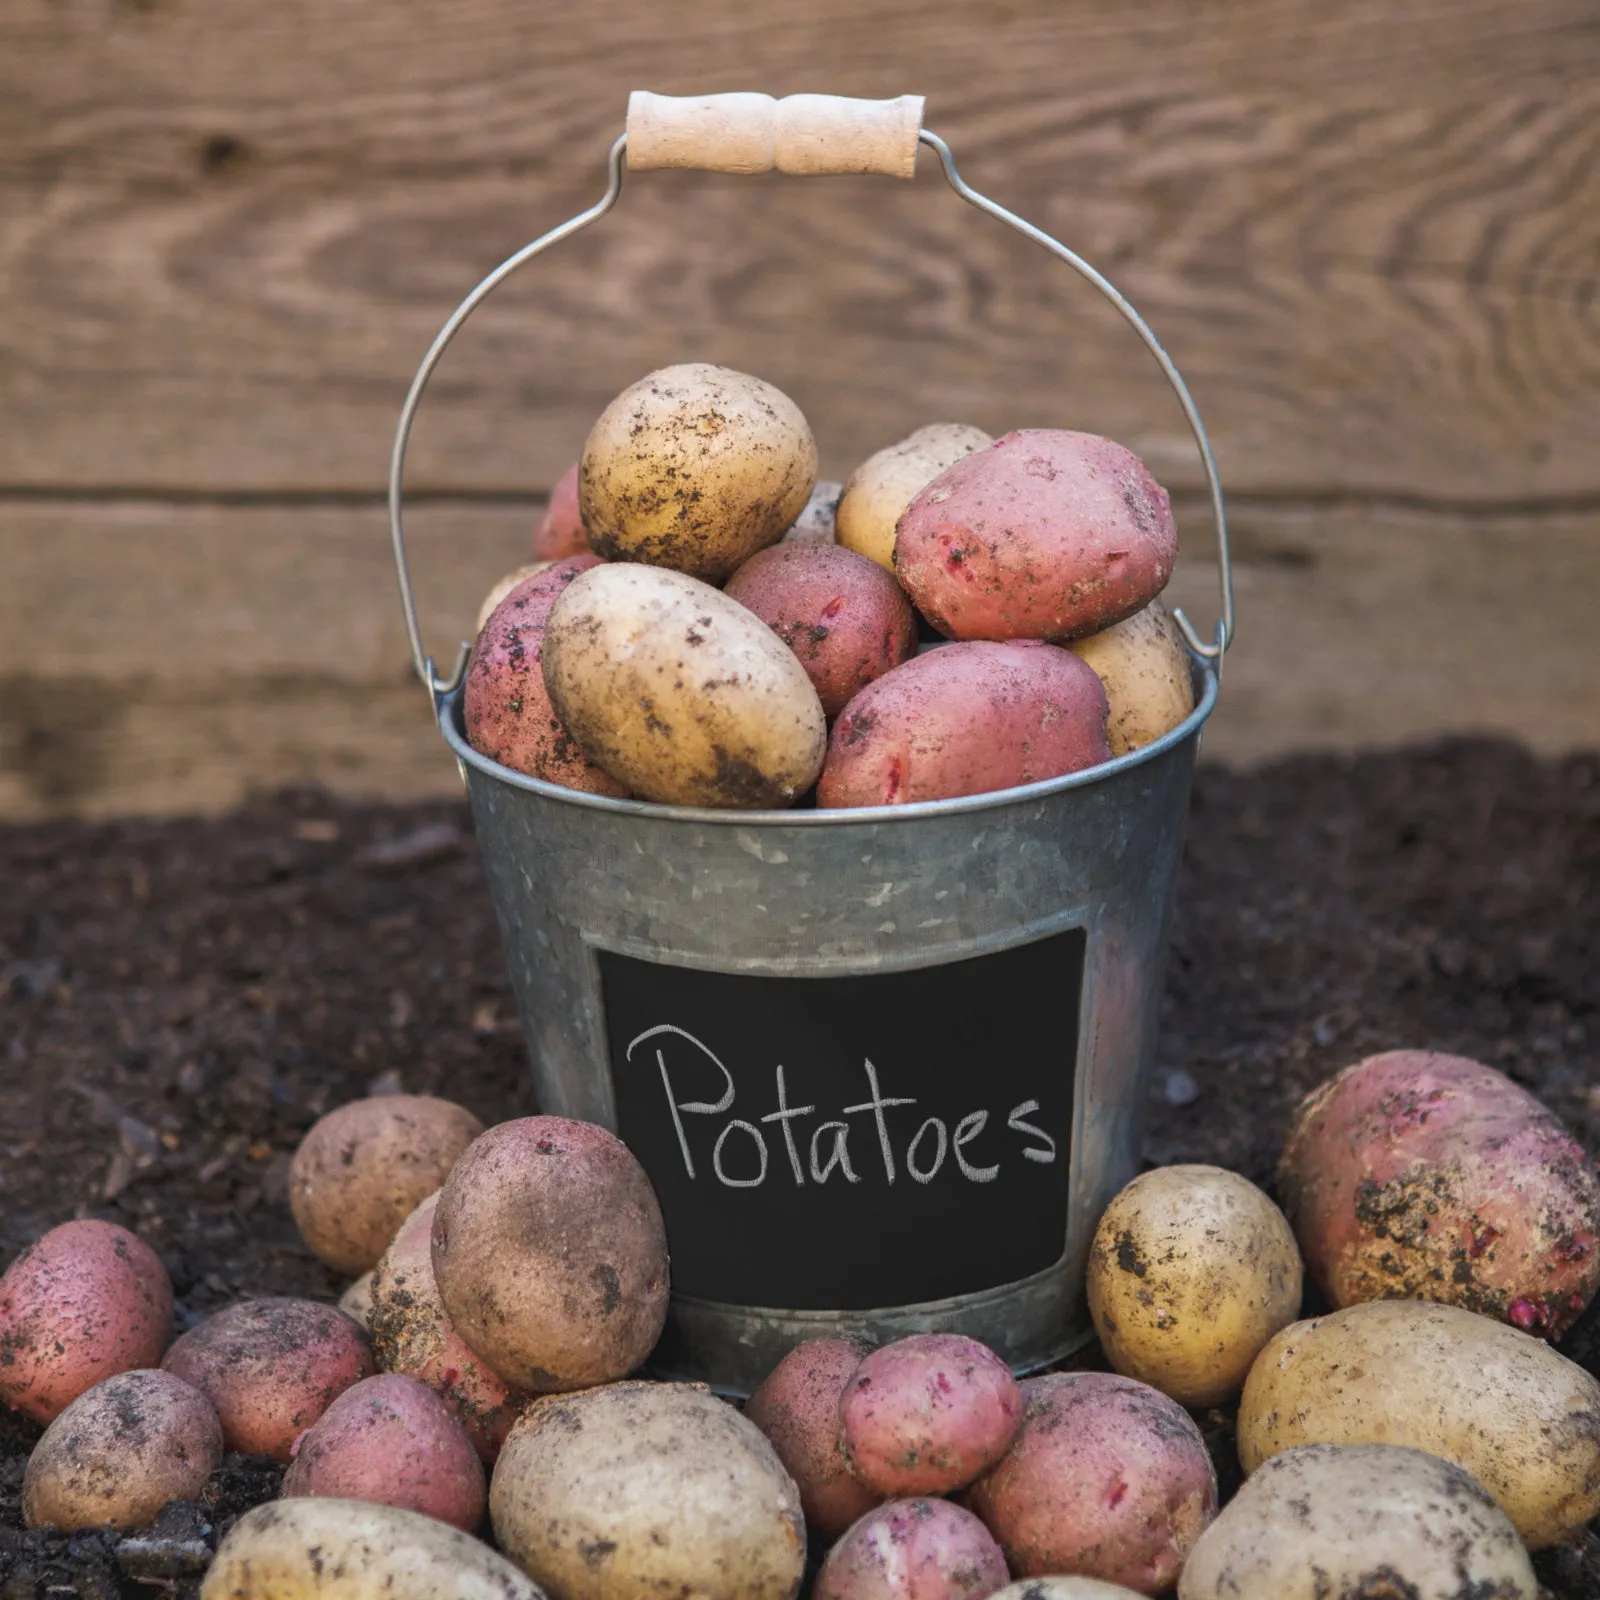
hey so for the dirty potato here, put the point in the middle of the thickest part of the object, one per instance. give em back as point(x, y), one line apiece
point(881, 488)
point(517, 575)
point(915, 1549)
point(1145, 669)
point(1060, 1588)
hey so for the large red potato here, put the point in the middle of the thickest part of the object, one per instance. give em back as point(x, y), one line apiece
point(1417, 1176)
point(913, 1550)
point(1044, 535)
point(560, 530)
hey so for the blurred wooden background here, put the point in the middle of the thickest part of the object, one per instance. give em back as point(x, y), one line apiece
point(1368, 231)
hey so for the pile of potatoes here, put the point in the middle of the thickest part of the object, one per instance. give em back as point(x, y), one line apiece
point(707, 624)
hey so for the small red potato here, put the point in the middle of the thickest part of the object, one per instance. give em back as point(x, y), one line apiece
point(797, 1408)
point(271, 1368)
point(392, 1440)
point(966, 719)
point(1107, 1478)
point(84, 1302)
point(1044, 535)
point(120, 1452)
point(366, 1166)
point(1417, 1176)
point(913, 1550)
point(927, 1414)
point(846, 619)
point(560, 530)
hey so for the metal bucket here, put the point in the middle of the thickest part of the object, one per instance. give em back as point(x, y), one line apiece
point(885, 1066)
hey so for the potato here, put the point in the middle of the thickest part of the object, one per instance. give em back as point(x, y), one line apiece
point(1191, 1271)
point(365, 1167)
point(1060, 1588)
point(965, 719)
point(560, 530)
point(1325, 1520)
point(797, 1408)
point(356, 1301)
point(815, 524)
point(1144, 668)
point(1108, 1479)
point(1044, 535)
point(393, 1440)
point(271, 1368)
point(120, 1452)
point(355, 1550)
point(695, 468)
point(1502, 1405)
point(85, 1301)
point(913, 1550)
point(844, 617)
point(880, 489)
point(491, 601)
point(412, 1334)
point(646, 1489)
point(680, 693)
point(926, 1414)
point(1417, 1176)
point(550, 1254)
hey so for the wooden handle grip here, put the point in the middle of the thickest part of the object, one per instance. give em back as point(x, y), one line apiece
point(805, 134)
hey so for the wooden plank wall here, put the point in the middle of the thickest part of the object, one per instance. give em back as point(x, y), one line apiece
point(1368, 230)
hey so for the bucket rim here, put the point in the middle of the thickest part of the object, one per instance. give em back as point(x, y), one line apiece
point(449, 710)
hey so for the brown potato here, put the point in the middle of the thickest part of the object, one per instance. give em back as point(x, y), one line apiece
point(1145, 669)
point(560, 530)
point(880, 489)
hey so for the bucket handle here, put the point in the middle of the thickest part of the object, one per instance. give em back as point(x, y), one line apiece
point(800, 134)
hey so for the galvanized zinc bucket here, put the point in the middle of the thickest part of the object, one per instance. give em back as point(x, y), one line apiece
point(885, 1067)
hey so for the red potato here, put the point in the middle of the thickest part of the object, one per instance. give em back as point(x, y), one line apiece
point(913, 1550)
point(797, 1408)
point(927, 1414)
point(1044, 535)
point(966, 719)
point(846, 619)
point(271, 1368)
point(392, 1440)
point(560, 530)
point(1416, 1176)
point(86, 1301)
point(1107, 1478)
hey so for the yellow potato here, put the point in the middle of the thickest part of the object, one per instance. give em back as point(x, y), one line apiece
point(1144, 667)
point(680, 693)
point(1191, 1271)
point(881, 488)
point(1522, 1420)
point(502, 589)
point(695, 468)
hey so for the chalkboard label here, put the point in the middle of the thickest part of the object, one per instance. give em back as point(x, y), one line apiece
point(856, 1142)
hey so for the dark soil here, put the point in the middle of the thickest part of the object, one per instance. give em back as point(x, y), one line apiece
point(180, 1000)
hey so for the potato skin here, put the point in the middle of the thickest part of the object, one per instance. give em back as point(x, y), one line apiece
point(1502, 1405)
point(913, 1550)
point(550, 1254)
point(518, 575)
point(816, 524)
point(560, 530)
point(364, 1167)
point(639, 1489)
point(83, 1302)
point(846, 619)
point(695, 468)
point(682, 694)
point(1325, 1520)
point(1159, 1489)
point(1144, 668)
point(271, 1368)
point(356, 1301)
point(1060, 1588)
point(1045, 535)
point(1192, 1269)
point(1419, 1176)
point(966, 719)
point(120, 1452)
point(879, 490)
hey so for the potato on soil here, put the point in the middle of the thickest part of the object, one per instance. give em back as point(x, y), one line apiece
point(680, 693)
point(880, 489)
point(966, 719)
point(642, 1489)
point(120, 1452)
point(80, 1304)
point(1044, 535)
point(815, 525)
point(1191, 1271)
point(517, 576)
point(695, 468)
point(365, 1167)
point(550, 1254)
point(1326, 1520)
point(560, 530)
point(846, 619)
point(1154, 1489)
point(913, 1550)
point(1417, 1176)
point(1145, 669)
point(1505, 1407)
point(271, 1368)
